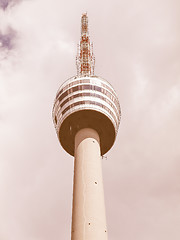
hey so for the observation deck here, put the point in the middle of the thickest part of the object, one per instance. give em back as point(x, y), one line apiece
point(86, 102)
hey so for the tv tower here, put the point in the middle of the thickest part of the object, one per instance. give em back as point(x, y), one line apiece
point(86, 115)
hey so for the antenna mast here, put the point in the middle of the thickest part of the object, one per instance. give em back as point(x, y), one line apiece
point(85, 59)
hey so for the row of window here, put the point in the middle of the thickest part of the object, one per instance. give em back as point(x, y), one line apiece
point(82, 81)
point(88, 87)
point(90, 102)
point(82, 87)
point(85, 94)
point(56, 109)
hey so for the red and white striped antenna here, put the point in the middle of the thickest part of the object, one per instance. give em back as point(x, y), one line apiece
point(85, 59)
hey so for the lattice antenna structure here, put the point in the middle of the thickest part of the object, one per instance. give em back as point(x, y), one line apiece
point(85, 60)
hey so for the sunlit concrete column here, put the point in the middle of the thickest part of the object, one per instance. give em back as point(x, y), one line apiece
point(88, 215)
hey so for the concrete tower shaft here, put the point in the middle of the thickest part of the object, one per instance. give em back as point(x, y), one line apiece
point(88, 218)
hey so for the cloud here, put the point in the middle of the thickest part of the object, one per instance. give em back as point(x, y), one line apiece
point(8, 34)
point(5, 4)
point(7, 40)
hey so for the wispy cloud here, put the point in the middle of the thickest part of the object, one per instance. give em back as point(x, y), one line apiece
point(7, 43)
point(5, 4)
point(7, 40)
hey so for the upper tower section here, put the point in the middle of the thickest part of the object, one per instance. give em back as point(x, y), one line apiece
point(86, 101)
point(85, 59)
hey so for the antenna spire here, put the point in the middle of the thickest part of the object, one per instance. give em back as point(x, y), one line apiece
point(85, 59)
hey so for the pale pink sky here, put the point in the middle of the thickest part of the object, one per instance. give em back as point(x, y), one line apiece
point(137, 49)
